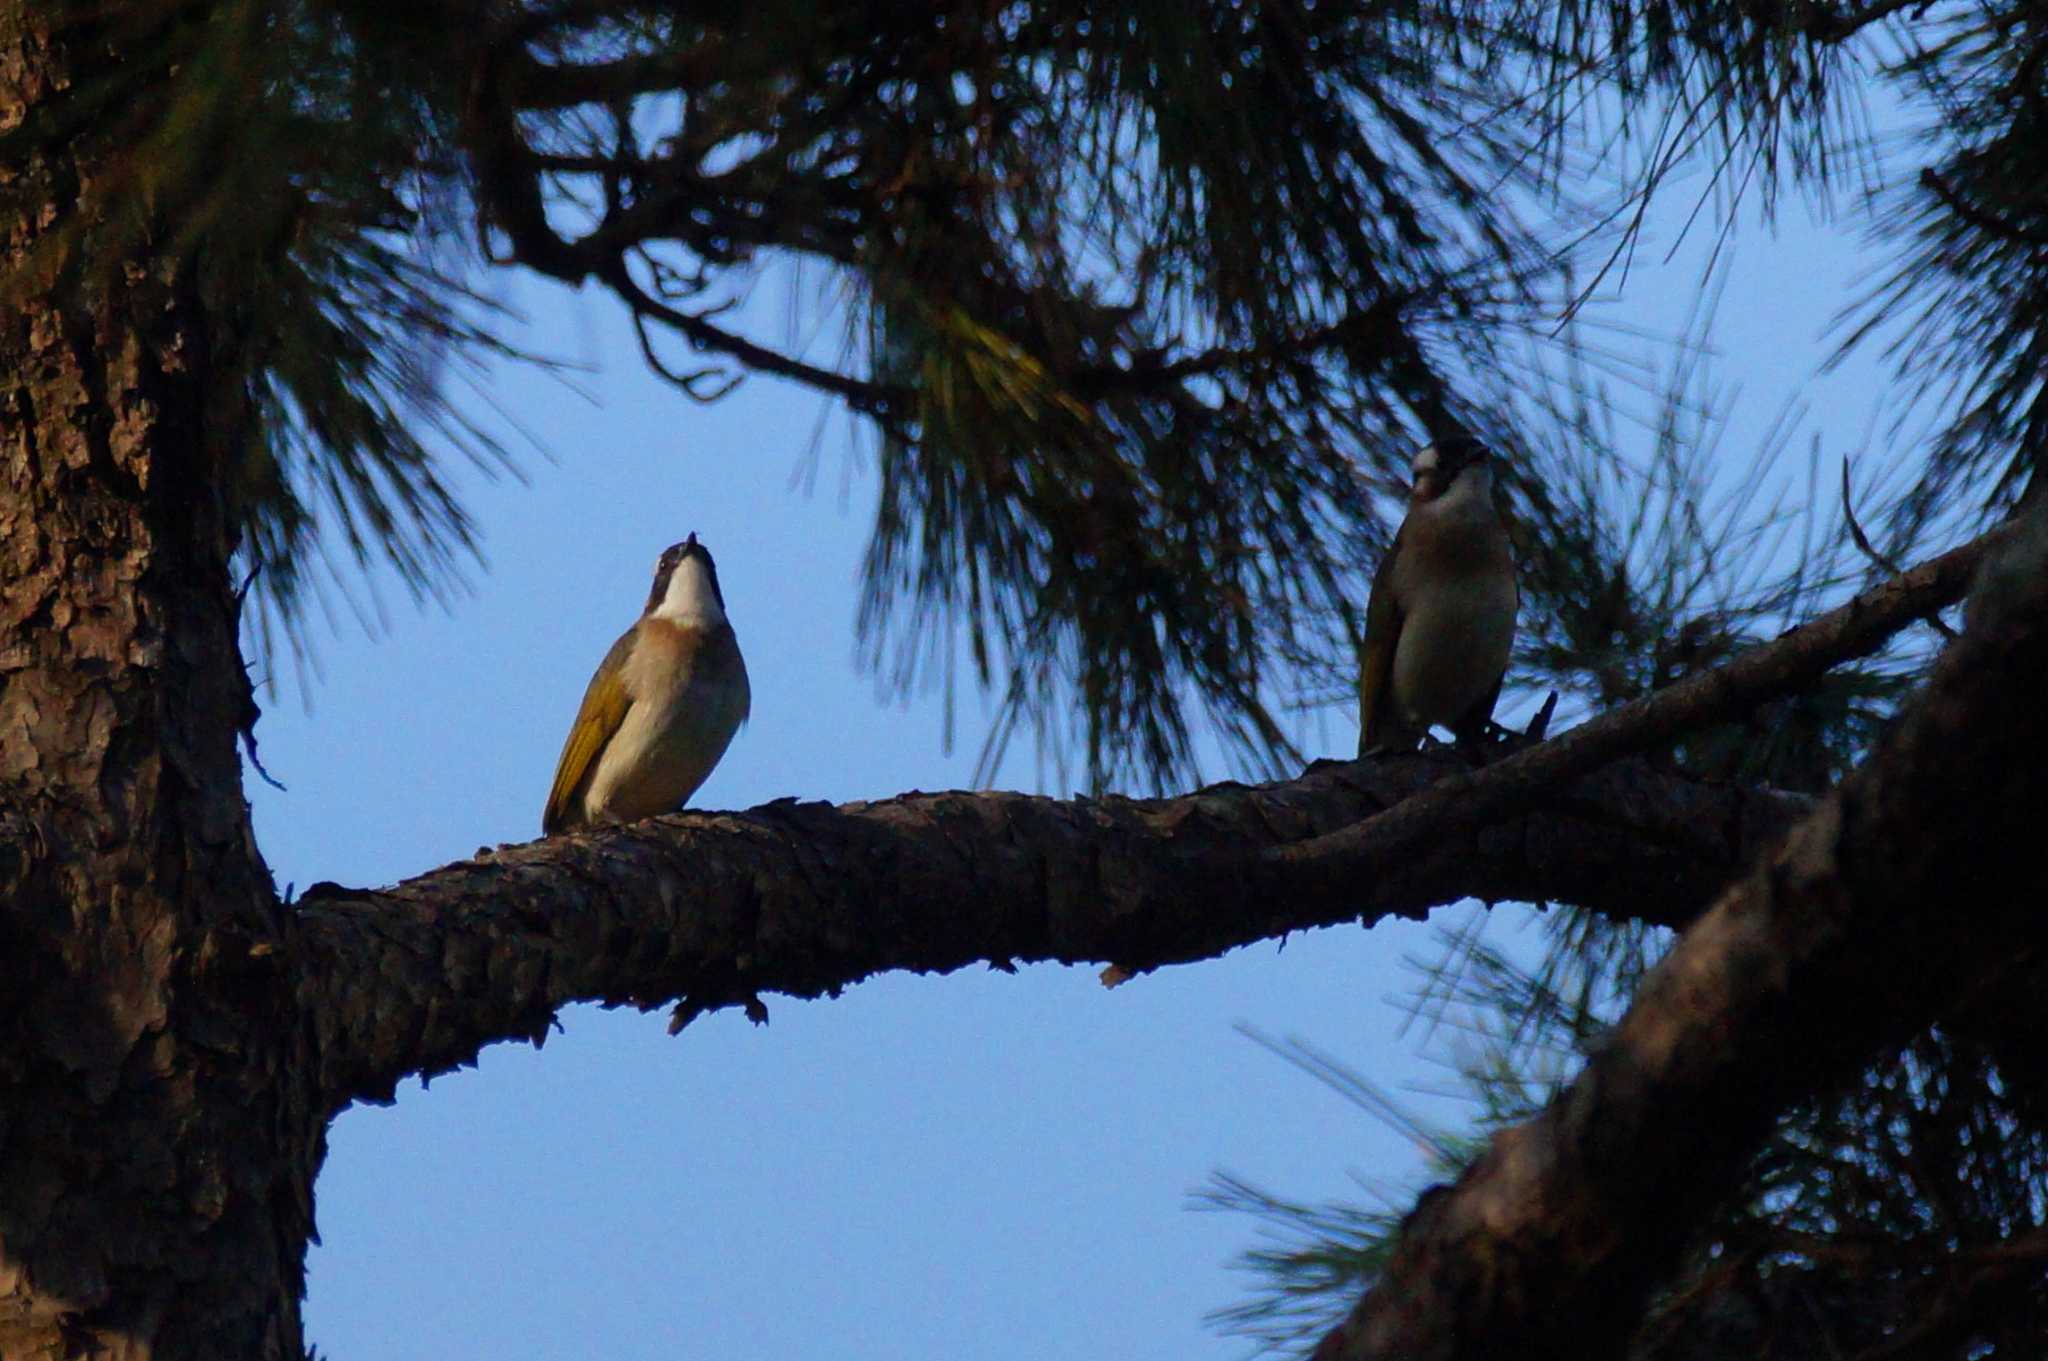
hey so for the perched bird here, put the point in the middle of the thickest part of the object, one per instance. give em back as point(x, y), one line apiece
point(1441, 617)
point(662, 707)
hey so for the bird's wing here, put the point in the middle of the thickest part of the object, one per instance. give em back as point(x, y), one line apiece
point(604, 709)
point(1376, 657)
point(723, 665)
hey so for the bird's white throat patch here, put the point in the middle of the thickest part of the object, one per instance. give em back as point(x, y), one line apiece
point(690, 598)
point(1470, 493)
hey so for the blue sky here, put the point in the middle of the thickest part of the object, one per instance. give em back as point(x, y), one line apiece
point(977, 1164)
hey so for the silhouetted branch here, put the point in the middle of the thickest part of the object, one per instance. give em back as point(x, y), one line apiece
point(1976, 215)
point(712, 909)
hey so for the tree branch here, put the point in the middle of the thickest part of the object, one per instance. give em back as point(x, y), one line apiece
point(1839, 28)
point(1377, 324)
point(544, 85)
point(1846, 940)
point(713, 909)
point(885, 402)
point(1983, 219)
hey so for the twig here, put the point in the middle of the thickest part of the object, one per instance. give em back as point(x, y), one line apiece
point(1888, 563)
point(249, 747)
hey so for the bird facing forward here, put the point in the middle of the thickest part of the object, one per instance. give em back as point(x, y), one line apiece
point(662, 707)
point(1441, 618)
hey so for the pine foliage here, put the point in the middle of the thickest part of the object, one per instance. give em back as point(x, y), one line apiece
point(1150, 302)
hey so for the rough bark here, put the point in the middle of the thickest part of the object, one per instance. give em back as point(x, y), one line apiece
point(803, 899)
point(1845, 941)
point(156, 1153)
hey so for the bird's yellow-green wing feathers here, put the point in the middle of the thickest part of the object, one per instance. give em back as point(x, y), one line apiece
point(604, 709)
point(1376, 654)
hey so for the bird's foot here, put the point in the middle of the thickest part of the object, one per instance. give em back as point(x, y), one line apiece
point(1475, 753)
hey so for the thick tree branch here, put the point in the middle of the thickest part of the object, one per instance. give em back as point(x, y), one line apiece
point(711, 909)
point(1914, 885)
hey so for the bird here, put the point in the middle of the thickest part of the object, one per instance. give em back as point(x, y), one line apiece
point(662, 708)
point(1440, 621)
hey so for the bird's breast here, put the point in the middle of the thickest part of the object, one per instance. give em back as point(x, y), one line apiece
point(689, 696)
point(1455, 639)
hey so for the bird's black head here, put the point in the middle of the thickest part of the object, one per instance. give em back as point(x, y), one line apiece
point(1437, 467)
point(672, 559)
point(1459, 452)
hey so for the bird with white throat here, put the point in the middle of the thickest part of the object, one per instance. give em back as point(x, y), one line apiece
point(662, 708)
point(1440, 621)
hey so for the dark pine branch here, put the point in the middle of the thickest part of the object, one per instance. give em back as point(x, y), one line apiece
point(704, 910)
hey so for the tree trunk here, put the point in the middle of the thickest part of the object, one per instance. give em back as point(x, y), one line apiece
point(157, 1153)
